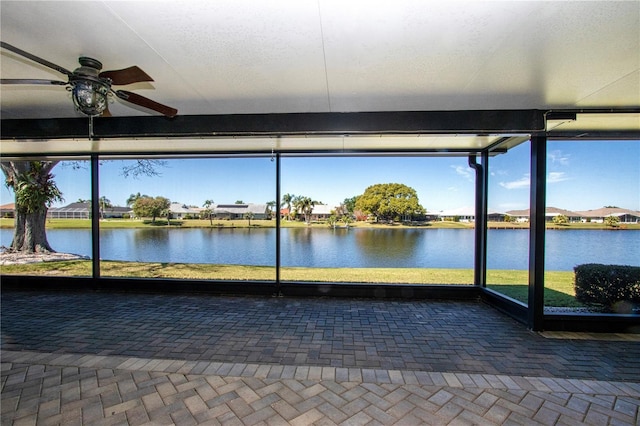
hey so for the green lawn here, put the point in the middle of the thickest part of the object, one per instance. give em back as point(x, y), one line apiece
point(559, 285)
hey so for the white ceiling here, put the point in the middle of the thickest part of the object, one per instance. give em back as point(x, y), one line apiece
point(257, 56)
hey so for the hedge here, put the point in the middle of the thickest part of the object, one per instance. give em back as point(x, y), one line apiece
point(607, 285)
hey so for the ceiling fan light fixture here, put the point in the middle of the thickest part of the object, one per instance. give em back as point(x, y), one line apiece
point(90, 97)
point(90, 89)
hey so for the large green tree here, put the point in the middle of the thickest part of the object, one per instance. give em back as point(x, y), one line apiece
point(151, 207)
point(388, 201)
point(350, 204)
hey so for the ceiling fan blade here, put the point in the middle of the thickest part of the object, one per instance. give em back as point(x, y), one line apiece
point(35, 58)
point(146, 102)
point(31, 81)
point(126, 76)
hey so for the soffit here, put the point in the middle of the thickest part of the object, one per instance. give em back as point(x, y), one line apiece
point(588, 124)
point(427, 145)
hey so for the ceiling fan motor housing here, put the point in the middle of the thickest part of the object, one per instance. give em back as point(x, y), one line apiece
point(89, 66)
point(89, 91)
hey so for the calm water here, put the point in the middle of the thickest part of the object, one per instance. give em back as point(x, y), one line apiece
point(439, 248)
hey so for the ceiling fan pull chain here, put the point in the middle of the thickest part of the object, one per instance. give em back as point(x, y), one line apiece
point(273, 157)
point(91, 135)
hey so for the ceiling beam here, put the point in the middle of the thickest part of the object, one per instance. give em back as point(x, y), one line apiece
point(479, 122)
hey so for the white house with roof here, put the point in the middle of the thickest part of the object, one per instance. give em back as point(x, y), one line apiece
point(238, 211)
point(467, 214)
point(519, 216)
point(322, 212)
point(595, 216)
point(182, 211)
point(550, 213)
point(83, 211)
point(598, 215)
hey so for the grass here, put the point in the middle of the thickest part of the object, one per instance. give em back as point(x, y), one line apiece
point(513, 283)
point(559, 289)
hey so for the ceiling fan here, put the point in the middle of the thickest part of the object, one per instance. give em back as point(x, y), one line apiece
point(91, 88)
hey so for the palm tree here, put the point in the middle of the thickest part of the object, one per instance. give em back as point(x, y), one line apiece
point(305, 205)
point(208, 212)
point(248, 216)
point(297, 203)
point(287, 199)
point(332, 221)
point(133, 198)
point(104, 203)
point(271, 206)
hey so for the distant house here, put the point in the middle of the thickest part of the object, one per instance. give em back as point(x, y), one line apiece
point(520, 216)
point(598, 215)
point(117, 212)
point(238, 211)
point(550, 213)
point(182, 211)
point(595, 216)
point(70, 211)
point(468, 214)
point(321, 212)
point(83, 211)
point(8, 210)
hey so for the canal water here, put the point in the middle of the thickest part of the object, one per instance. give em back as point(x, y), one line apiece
point(354, 247)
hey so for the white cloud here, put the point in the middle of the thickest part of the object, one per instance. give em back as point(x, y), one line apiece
point(558, 157)
point(465, 172)
point(554, 177)
point(523, 182)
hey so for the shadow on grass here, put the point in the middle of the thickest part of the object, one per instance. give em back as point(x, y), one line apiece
point(552, 298)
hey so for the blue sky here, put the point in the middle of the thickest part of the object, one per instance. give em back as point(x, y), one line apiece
point(580, 176)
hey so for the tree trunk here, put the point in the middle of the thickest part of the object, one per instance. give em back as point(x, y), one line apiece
point(30, 233)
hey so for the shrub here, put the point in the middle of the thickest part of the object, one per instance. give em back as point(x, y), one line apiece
point(560, 220)
point(607, 285)
point(612, 221)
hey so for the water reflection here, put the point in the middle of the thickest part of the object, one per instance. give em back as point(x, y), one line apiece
point(382, 245)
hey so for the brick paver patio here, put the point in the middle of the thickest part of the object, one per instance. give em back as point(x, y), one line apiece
point(95, 358)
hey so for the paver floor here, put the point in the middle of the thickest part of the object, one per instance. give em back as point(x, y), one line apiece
point(95, 358)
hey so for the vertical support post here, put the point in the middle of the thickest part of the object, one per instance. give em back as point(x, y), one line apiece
point(485, 207)
point(480, 252)
point(95, 216)
point(535, 311)
point(278, 240)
